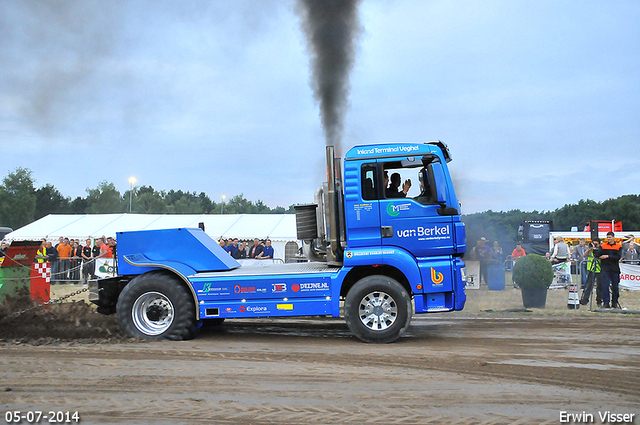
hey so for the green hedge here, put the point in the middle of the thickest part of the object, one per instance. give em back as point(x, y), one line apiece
point(533, 271)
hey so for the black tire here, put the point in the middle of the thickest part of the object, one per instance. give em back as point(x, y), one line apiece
point(378, 309)
point(157, 305)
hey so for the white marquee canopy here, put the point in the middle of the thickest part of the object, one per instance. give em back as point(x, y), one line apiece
point(280, 228)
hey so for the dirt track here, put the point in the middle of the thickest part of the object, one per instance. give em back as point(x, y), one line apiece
point(450, 368)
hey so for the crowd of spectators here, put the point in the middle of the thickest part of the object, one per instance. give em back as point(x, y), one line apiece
point(598, 265)
point(73, 262)
point(259, 250)
point(486, 255)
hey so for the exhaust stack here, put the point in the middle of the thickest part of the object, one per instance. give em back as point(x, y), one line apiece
point(321, 225)
point(334, 202)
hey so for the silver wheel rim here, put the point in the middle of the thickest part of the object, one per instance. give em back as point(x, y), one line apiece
point(152, 313)
point(378, 311)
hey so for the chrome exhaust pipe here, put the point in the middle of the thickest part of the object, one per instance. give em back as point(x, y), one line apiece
point(334, 254)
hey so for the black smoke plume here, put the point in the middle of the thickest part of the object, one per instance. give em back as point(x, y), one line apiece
point(332, 29)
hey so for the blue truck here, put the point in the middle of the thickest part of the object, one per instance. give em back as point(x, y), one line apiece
point(377, 255)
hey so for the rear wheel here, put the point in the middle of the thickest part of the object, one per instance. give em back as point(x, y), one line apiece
point(378, 309)
point(156, 305)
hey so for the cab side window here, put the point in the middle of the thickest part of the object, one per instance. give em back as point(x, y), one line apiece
point(369, 189)
point(408, 178)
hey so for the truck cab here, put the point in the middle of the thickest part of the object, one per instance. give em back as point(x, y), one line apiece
point(378, 255)
point(420, 232)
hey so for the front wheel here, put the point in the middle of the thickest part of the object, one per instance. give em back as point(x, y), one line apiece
point(378, 309)
point(156, 305)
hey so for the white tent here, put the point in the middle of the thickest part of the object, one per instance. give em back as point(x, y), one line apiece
point(280, 228)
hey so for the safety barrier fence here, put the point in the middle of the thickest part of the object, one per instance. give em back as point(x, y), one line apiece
point(72, 270)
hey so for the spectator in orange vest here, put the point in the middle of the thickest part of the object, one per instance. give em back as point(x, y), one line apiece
point(104, 248)
point(64, 252)
point(518, 252)
point(609, 254)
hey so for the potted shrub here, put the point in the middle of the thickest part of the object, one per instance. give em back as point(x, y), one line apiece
point(533, 274)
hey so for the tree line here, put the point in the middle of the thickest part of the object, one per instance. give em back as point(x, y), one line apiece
point(503, 226)
point(21, 203)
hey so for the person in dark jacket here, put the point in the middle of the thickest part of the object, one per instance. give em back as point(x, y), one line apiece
point(394, 190)
point(609, 254)
point(241, 252)
point(88, 265)
point(52, 257)
point(256, 249)
point(76, 261)
point(593, 274)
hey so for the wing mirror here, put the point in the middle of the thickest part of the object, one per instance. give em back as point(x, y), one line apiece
point(439, 188)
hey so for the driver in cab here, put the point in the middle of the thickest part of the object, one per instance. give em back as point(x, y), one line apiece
point(394, 191)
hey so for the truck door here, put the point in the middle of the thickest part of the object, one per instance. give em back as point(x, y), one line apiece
point(413, 211)
point(361, 204)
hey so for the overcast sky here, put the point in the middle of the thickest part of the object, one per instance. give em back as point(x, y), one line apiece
point(539, 101)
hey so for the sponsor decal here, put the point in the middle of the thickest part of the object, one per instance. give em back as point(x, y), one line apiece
point(394, 210)
point(438, 309)
point(630, 276)
point(278, 287)
point(135, 258)
point(348, 254)
point(207, 288)
point(322, 286)
point(373, 252)
point(284, 306)
point(257, 309)
point(387, 150)
point(107, 268)
point(228, 310)
point(242, 309)
point(436, 277)
point(358, 208)
point(426, 233)
point(237, 289)
point(366, 207)
point(310, 287)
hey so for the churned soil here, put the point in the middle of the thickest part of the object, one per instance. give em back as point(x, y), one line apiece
point(72, 321)
point(23, 320)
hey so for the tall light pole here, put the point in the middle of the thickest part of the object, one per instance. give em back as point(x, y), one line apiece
point(132, 180)
point(222, 206)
